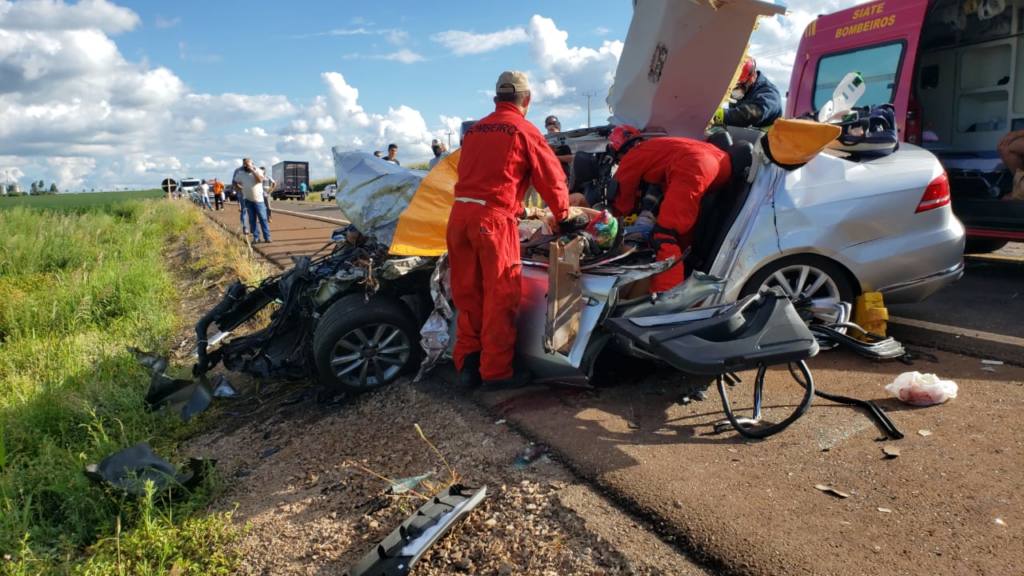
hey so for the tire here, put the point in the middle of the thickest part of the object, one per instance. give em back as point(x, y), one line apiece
point(347, 343)
point(983, 245)
point(837, 285)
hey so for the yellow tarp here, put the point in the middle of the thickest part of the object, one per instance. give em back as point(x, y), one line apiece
point(422, 225)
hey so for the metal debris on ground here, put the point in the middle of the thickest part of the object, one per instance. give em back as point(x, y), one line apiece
point(891, 452)
point(885, 510)
point(222, 387)
point(396, 554)
point(992, 362)
point(130, 469)
point(188, 397)
point(924, 432)
point(831, 490)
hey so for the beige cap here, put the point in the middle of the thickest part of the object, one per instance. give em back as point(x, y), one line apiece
point(512, 82)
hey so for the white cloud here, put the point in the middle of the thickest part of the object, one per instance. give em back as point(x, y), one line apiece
point(462, 43)
point(395, 36)
point(601, 31)
point(405, 56)
point(53, 15)
point(256, 131)
point(165, 22)
point(70, 171)
point(568, 73)
point(10, 174)
point(211, 164)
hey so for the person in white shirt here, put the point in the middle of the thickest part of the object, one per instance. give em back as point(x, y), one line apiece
point(204, 195)
point(250, 181)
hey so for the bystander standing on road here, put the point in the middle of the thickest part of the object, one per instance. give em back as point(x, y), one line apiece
point(269, 185)
point(250, 179)
point(392, 155)
point(218, 194)
point(204, 195)
point(237, 187)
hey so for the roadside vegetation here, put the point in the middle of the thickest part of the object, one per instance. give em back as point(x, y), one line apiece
point(80, 202)
point(77, 288)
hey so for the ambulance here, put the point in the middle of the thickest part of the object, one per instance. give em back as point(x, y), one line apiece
point(953, 70)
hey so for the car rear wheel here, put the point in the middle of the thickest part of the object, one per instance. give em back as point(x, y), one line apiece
point(363, 346)
point(816, 285)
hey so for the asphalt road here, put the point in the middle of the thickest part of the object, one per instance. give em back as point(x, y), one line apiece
point(948, 504)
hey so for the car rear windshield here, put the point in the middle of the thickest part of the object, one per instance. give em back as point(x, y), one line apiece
point(880, 66)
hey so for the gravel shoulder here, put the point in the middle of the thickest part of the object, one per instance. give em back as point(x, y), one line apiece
point(288, 461)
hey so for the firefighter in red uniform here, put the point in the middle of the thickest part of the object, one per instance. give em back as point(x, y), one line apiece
point(685, 169)
point(501, 155)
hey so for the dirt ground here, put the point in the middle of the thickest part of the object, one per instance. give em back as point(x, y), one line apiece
point(288, 461)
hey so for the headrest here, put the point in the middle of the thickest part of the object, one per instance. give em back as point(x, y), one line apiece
point(793, 143)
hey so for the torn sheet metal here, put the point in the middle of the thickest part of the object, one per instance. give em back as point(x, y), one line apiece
point(128, 471)
point(373, 193)
point(434, 335)
point(396, 554)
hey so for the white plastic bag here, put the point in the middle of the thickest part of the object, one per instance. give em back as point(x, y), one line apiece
point(921, 389)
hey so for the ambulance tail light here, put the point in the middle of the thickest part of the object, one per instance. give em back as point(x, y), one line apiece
point(936, 195)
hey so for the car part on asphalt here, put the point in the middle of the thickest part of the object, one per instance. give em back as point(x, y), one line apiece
point(129, 470)
point(399, 551)
point(759, 331)
point(866, 344)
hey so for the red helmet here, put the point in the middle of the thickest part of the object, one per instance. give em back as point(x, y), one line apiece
point(748, 72)
point(621, 135)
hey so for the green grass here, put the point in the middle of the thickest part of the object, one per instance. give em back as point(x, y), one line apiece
point(85, 201)
point(320, 184)
point(77, 287)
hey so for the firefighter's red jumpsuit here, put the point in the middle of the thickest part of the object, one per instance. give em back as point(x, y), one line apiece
point(685, 169)
point(501, 155)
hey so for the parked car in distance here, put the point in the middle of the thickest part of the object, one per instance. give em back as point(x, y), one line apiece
point(330, 193)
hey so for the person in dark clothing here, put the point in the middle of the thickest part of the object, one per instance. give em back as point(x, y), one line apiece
point(562, 151)
point(758, 103)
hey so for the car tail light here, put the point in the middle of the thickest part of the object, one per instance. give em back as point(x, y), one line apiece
point(936, 195)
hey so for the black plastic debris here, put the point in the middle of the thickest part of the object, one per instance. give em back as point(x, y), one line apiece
point(396, 554)
point(188, 397)
point(128, 471)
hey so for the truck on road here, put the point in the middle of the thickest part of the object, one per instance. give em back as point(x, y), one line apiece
point(291, 178)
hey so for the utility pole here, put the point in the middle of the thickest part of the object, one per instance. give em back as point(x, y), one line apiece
point(589, 95)
point(449, 138)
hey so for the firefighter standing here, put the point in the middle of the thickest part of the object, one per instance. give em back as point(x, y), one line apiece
point(685, 169)
point(758, 103)
point(501, 155)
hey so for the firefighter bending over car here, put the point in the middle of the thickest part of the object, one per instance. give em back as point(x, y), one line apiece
point(757, 101)
point(685, 170)
point(501, 155)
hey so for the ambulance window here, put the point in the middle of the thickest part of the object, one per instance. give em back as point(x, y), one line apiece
point(880, 66)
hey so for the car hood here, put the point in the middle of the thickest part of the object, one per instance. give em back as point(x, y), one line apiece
point(679, 61)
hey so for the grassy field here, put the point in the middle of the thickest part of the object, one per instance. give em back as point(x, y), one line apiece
point(78, 202)
point(79, 283)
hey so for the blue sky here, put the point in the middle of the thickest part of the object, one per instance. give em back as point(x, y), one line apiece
point(110, 94)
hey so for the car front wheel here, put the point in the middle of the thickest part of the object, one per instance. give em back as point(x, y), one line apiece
point(362, 346)
point(816, 285)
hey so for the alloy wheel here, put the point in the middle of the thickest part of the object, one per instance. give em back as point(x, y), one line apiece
point(371, 355)
point(814, 293)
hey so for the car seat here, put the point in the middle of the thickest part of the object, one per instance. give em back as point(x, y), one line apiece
point(719, 208)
